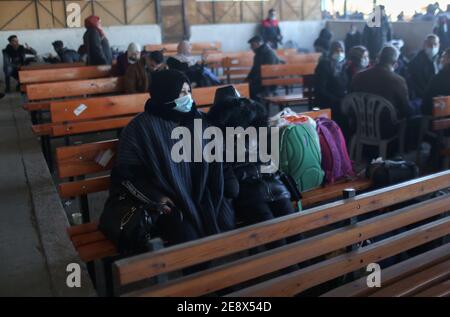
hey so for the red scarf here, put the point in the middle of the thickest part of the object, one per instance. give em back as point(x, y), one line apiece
point(93, 22)
point(269, 23)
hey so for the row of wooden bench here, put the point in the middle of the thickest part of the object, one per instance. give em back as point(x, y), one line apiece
point(236, 272)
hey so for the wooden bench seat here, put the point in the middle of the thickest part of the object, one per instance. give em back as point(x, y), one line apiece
point(237, 272)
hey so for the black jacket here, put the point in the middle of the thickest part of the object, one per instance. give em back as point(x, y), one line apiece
point(439, 86)
point(352, 40)
point(264, 55)
point(330, 84)
point(244, 182)
point(421, 70)
point(443, 36)
point(69, 56)
point(98, 49)
point(17, 57)
point(374, 38)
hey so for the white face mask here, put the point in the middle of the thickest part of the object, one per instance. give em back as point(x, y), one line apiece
point(365, 63)
point(432, 52)
point(338, 57)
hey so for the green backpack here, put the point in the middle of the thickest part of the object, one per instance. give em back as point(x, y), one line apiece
point(300, 155)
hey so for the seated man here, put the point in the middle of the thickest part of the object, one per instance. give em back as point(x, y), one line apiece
point(136, 74)
point(65, 55)
point(127, 58)
point(264, 55)
point(439, 84)
point(381, 80)
point(14, 56)
point(424, 66)
point(184, 54)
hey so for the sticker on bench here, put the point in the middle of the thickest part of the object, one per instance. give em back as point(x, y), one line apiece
point(440, 103)
point(79, 110)
point(103, 158)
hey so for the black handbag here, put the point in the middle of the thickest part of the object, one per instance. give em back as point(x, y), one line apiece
point(129, 219)
point(386, 173)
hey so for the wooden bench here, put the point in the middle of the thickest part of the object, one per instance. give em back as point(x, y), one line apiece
point(441, 124)
point(63, 74)
point(236, 69)
point(51, 66)
point(288, 75)
point(198, 48)
point(259, 275)
point(78, 161)
point(302, 58)
point(105, 113)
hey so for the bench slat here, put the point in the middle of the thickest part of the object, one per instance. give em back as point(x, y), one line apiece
point(42, 129)
point(441, 124)
point(98, 107)
point(82, 229)
point(79, 160)
point(301, 280)
point(417, 282)
point(63, 74)
point(440, 290)
point(96, 250)
point(88, 238)
point(90, 126)
point(280, 70)
point(36, 106)
point(394, 273)
point(74, 88)
point(84, 187)
point(242, 239)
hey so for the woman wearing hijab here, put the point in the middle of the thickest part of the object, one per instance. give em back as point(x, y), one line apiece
point(96, 43)
point(144, 162)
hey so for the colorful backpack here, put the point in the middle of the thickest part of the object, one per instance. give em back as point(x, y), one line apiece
point(335, 159)
point(300, 155)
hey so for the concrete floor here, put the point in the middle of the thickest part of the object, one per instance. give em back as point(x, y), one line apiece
point(33, 254)
point(23, 269)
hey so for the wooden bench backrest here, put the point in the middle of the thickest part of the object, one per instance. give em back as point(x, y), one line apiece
point(113, 106)
point(286, 52)
point(134, 269)
point(302, 58)
point(80, 160)
point(286, 74)
point(51, 66)
point(75, 88)
point(441, 111)
point(64, 74)
point(197, 47)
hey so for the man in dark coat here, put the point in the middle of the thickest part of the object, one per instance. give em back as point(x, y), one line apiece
point(264, 55)
point(442, 30)
point(66, 55)
point(14, 56)
point(439, 84)
point(424, 66)
point(353, 38)
point(97, 45)
point(374, 38)
point(381, 80)
point(271, 31)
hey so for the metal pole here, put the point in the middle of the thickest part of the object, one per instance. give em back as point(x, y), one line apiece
point(37, 13)
point(125, 11)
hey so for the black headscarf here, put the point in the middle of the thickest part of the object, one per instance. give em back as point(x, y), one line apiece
point(165, 87)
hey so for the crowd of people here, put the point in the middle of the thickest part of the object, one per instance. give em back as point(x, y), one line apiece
point(209, 195)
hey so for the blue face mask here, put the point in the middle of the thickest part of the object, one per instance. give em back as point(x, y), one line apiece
point(184, 104)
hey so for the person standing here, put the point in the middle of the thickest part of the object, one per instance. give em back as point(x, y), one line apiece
point(97, 44)
point(271, 30)
point(375, 38)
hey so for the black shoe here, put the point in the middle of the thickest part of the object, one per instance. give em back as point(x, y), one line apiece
point(2, 95)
